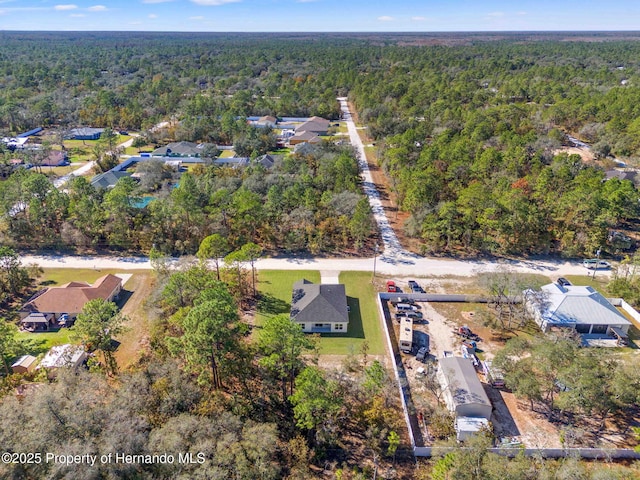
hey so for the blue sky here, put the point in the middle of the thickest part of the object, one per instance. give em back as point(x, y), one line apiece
point(318, 15)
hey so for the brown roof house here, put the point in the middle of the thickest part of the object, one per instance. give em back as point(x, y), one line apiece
point(320, 308)
point(69, 299)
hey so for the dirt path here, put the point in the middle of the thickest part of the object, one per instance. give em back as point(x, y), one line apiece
point(439, 329)
point(136, 339)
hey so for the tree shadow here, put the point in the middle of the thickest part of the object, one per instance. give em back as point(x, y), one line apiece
point(271, 305)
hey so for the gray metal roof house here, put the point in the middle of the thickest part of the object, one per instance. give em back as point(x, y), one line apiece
point(580, 307)
point(462, 391)
point(108, 179)
point(320, 308)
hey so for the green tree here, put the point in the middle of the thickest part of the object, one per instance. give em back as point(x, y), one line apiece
point(252, 252)
point(213, 247)
point(282, 342)
point(96, 326)
point(209, 333)
point(316, 400)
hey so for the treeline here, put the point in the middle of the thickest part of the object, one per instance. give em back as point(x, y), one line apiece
point(307, 202)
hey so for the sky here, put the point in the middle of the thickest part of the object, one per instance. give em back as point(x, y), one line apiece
point(319, 15)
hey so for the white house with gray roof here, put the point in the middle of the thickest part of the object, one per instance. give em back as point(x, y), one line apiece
point(320, 308)
point(580, 307)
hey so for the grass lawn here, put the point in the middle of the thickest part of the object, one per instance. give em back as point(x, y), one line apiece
point(41, 342)
point(364, 323)
point(227, 153)
point(599, 283)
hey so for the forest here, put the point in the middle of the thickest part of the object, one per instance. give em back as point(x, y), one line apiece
point(467, 129)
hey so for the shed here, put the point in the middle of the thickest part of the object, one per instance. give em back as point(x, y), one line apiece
point(462, 391)
point(24, 364)
point(469, 426)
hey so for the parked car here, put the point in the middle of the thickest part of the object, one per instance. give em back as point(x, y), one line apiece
point(391, 286)
point(421, 356)
point(396, 300)
point(412, 284)
point(563, 282)
point(595, 264)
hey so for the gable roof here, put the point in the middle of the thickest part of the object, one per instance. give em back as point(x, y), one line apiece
point(108, 179)
point(71, 297)
point(187, 149)
point(268, 161)
point(314, 125)
point(267, 119)
point(55, 159)
point(573, 304)
point(312, 302)
point(305, 148)
point(463, 383)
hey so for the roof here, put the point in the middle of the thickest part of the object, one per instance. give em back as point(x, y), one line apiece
point(37, 317)
point(621, 174)
point(267, 119)
point(310, 137)
point(579, 304)
point(314, 124)
point(108, 179)
point(85, 131)
point(70, 298)
point(462, 381)
point(24, 361)
point(268, 161)
point(188, 149)
point(55, 158)
point(232, 161)
point(312, 302)
point(62, 356)
point(305, 148)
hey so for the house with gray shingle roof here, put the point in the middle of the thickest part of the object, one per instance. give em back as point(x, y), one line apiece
point(580, 307)
point(320, 308)
point(108, 179)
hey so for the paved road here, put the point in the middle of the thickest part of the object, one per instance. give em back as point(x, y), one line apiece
point(59, 182)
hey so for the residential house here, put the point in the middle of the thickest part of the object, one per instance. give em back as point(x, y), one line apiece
point(37, 321)
point(181, 149)
point(232, 161)
point(305, 149)
point(85, 133)
point(70, 356)
point(56, 158)
point(317, 125)
point(266, 121)
point(320, 307)
point(304, 137)
point(579, 307)
point(69, 299)
point(13, 143)
point(108, 179)
point(24, 364)
point(268, 160)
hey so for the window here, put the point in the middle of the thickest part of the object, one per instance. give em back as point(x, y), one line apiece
point(318, 325)
point(338, 326)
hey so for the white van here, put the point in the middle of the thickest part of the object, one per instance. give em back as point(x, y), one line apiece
point(405, 307)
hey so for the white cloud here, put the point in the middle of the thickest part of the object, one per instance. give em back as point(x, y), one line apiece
point(153, 15)
point(418, 19)
point(77, 15)
point(198, 17)
point(65, 7)
point(98, 8)
point(213, 3)
point(386, 18)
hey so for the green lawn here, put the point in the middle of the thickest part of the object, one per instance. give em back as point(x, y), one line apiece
point(60, 276)
point(226, 154)
point(43, 341)
point(364, 323)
